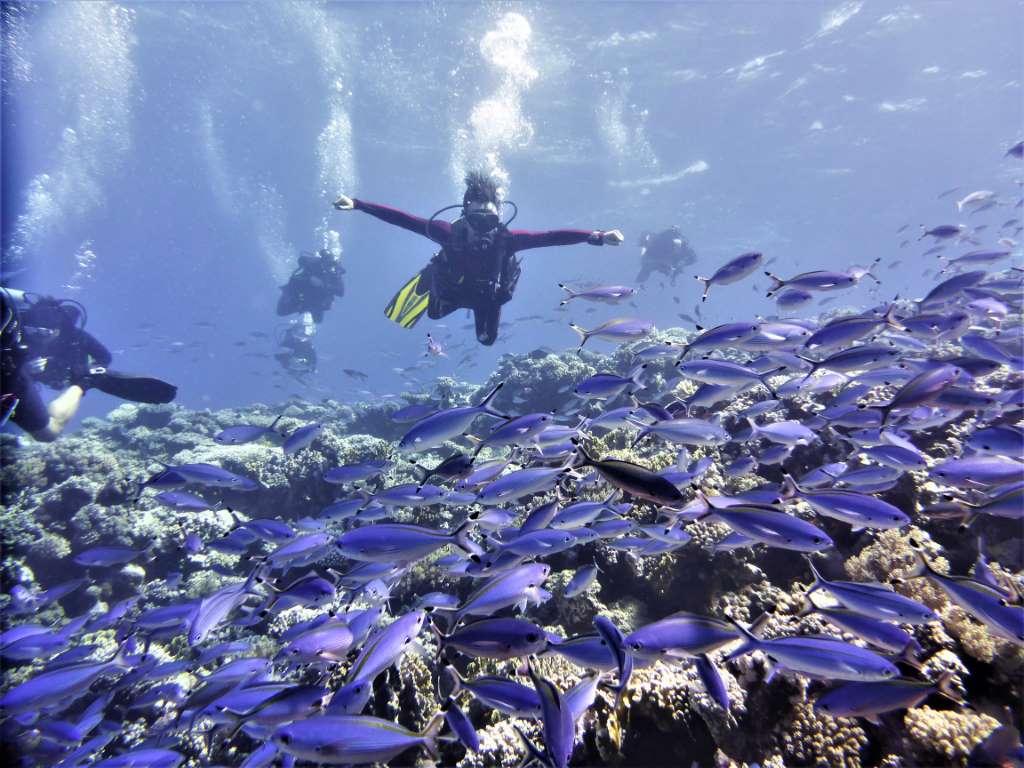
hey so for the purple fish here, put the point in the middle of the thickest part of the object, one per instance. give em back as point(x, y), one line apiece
point(302, 437)
point(617, 329)
point(244, 433)
point(732, 271)
point(607, 294)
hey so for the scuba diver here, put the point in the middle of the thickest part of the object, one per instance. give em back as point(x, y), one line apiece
point(313, 285)
point(296, 353)
point(476, 267)
point(666, 252)
point(43, 339)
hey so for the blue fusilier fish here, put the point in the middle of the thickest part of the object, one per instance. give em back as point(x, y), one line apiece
point(354, 473)
point(817, 280)
point(712, 680)
point(502, 638)
point(684, 431)
point(581, 580)
point(498, 693)
point(63, 685)
point(817, 657)
point(602, 386)
point(921, 389)
point(353, 739)
point(385, 647)
point(680, 635)
point(871, 699)
point(583, 512)
point(330, 642)
point(301, 437)
point(725, 335)
point(414, 412)
point(245, 433)
point(310, 591)
point(952, 287)
point(434, 430)
point(408, 495)
point(856, 509)
point(732, 271)
point(878, 601)
point(183, 500)
point(588, 651)
point(300, 550)
point(518, 586)
point(208, 474)
point(152, 757)
point(612, 637)
point(790, 433)
point(725, 372)
point(980, 470)
point(606, 294)
point(617, 329)
point(1003, 439)
point(559, 726)
point(482, 473)
point(792, 299)
point(880, 634)
point(518, 431)
point(104, 557)
point(772, 527)
point(214, 609)
point(538, 543)
point(461, 725)
point(401, 542)
point(862, 358)
point(522, 482)
point(897, 457)
point(987, 605)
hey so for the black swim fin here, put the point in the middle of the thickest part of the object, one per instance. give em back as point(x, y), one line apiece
point(138, 389)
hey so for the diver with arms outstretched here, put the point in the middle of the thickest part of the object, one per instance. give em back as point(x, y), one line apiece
point(477, 267)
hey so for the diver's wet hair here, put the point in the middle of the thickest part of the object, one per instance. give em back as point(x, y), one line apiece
point(480, 186)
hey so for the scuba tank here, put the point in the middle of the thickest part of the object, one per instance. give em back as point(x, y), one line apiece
point(476, 243)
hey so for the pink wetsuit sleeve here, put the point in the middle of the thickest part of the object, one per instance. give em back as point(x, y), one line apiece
point(523, 240)
point(440, 230)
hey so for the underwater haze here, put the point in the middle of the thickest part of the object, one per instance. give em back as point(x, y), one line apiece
point(735, 481)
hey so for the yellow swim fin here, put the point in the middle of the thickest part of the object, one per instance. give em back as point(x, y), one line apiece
point(408, 305)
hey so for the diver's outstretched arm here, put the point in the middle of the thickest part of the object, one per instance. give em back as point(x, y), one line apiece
point(440, 230)
point(523, 240)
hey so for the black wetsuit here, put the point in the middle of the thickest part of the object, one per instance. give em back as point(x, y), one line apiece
point(663, 254)
point(476, 271)
point(69, 355)
point(312, 287)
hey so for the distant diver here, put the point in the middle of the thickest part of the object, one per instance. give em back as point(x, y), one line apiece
point(43, 339)
point(296, 353)
point(477, 267)
point(666, 252)
point(313, 286)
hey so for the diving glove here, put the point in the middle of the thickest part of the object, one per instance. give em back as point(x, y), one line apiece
point(138, 389)
point(612, 237)
point(344, 203)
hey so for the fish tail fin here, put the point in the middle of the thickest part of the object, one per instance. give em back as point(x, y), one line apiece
point(789, 487)
point(485, 403)
point(273, 424)
point(533, 755)
point(890, 319)
point(818, 581)
point(461, 538)
point(776, 283)
point(944, 687)
point(571, 294)
point(420, 472)
point(431, 733)
point(707, 286)
point(921, 566)
point(750, 641)
point(764, 380)
point(584, 335)
point(808, 607)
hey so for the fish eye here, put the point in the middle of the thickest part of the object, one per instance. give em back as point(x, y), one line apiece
point(285, 738)
point(636, 646)
point(533, 637)
point(817, 539)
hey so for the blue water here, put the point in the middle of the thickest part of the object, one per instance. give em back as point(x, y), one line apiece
point(164, 163)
